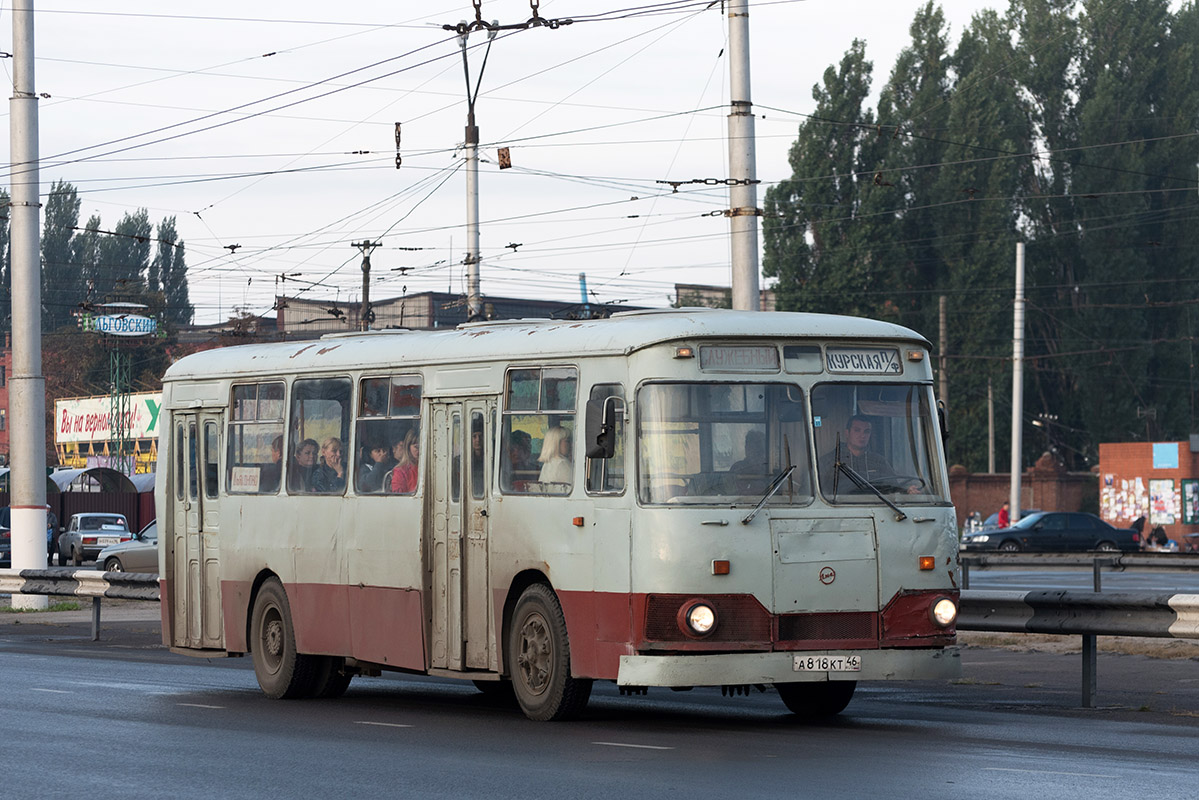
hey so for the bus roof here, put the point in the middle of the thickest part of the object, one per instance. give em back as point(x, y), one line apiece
point(539, 339)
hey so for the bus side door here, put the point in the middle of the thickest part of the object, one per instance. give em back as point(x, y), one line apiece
point(197, 618)
point(460, 477)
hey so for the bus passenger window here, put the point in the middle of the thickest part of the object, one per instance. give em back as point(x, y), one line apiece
point(387, 443)
point(606, 475)
point(478, 455)
point(538, 430)
point(456, 459)
point(211, 460)
point(320, 426)
point(254, 459)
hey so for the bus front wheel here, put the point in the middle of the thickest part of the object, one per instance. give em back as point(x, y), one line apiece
point(539, 659)
point(281, 671)
point(815, 700)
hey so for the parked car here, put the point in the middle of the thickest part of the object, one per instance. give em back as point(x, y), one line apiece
point(5, 531)
point(139, 554)
point(1055, 531)
point(89, 533)
point(992, 522)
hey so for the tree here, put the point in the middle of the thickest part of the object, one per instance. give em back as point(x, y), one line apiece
point(124, 256)
point(62, 289)
point(168, 274)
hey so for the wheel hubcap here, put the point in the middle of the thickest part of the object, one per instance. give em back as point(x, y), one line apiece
point(535, 659)
point(272, 639)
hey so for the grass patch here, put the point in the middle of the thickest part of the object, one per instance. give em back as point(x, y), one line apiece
point(68, 605)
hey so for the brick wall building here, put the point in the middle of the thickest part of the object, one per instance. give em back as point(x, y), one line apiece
point(1157, 480)
point(1046, 486)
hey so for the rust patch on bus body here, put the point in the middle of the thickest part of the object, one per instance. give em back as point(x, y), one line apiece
point(324, 350)
point(302, 350)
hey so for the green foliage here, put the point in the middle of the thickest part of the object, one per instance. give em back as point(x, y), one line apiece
point(1067, 126)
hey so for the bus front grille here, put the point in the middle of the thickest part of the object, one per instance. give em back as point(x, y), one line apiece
point(844, 626)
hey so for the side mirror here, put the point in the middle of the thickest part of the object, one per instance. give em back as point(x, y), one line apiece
point(600, 427)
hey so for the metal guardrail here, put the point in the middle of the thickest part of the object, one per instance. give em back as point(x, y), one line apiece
point(1087, 614)
point(81, 583)
point(1096, 561)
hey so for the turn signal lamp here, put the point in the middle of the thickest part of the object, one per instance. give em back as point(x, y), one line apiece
point(720, 567)
point(928, 562)
point(684, 352)
point(577, 522)
point(915, 355)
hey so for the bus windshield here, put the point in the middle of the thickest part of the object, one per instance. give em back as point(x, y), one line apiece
point(721, 443)
point(876, 439)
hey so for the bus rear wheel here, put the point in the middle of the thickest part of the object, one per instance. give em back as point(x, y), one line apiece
point(539, 659)
point(281, 671)
point(815, 700)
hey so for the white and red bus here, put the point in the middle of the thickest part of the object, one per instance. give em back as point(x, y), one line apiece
point(661, 499)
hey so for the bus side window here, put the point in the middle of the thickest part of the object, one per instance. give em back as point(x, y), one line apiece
point(606, 475)
point(255, 453)
point(538, 431)
point(387, 443)
point(320, 428)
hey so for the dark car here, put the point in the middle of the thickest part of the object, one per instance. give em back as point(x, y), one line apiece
point(1055, 531)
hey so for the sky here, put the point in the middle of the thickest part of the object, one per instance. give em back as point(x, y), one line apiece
point(271, 126)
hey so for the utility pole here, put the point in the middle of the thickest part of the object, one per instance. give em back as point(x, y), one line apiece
point(474, 298)
point(27, 392)
point(367, 316)
point(1017, 385)
point(943, 357)
point(743, 180)
point(990, 428)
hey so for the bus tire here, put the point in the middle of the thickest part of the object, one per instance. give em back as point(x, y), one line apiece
point(816, 700)
point(329, 680)
point(539, 659)
point(281, 671)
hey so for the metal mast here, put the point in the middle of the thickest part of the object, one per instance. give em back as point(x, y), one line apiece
point(743, 189)
point(27, 399)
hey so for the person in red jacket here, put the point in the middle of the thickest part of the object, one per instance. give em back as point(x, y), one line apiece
point(1005, 519)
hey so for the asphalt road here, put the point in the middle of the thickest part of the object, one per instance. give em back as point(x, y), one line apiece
point(124, 718)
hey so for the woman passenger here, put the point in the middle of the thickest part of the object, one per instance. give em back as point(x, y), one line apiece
point(303, 463)
point(555, 457)
point(330, 476)
point(404, 476)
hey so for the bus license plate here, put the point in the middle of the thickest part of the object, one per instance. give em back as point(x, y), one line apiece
point(827, 663)
point(107, 540)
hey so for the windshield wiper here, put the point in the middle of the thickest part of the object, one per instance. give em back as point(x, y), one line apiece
point(770, 490)
point(865, 485)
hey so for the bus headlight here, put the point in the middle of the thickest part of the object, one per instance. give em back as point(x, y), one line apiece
point(944, 612)
point(698, 618)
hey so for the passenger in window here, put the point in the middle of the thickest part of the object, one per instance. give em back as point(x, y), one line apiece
point(520, 452)
point(330, 476)
point(404, 474)
point(270, 475)
point(374, 469)
point(299, 475)
point(866, 464)
point(476, 457)
point(754, 462)
point(555, 457)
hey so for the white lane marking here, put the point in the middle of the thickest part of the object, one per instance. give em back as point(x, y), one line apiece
point(636, 746)
point(1050, 772)
point(197, 705)
point(51, 691)
point(381, 724)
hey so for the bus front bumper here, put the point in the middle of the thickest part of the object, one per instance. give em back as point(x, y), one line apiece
point(731, 669)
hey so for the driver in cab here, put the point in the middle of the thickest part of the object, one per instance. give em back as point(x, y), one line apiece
point(856, 454)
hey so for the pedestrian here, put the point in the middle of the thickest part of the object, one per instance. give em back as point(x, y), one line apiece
point(1005, 516)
